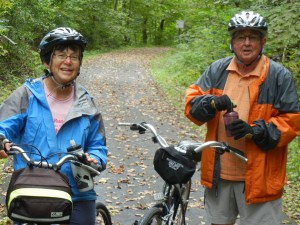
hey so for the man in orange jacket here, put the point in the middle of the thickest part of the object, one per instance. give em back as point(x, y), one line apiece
point(269, 119)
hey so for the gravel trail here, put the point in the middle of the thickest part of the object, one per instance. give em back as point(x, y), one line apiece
point(123, 87)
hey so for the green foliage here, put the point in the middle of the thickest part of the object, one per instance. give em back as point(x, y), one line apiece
point(10, 82)
point(25, 22)
point(5, 6)
point(293, 165)
point(291, 201)
point(5, 221)
point(284, 33)
point(203, 41)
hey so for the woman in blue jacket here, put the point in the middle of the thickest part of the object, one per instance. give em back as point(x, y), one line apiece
point(50, 111)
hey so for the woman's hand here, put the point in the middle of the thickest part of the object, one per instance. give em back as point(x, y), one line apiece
point(90, 159)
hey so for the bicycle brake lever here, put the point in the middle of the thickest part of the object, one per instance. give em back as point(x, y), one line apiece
point(235, 151)
point(154, 139)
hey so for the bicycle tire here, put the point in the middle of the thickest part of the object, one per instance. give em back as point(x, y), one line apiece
point(152, 217)
point(102, 215)
point(175, 206)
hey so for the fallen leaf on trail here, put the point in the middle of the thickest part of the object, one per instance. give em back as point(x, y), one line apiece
point(117, 170)
point(103, 180)
point(147, 192)
point(141, 207)
point(124, 181)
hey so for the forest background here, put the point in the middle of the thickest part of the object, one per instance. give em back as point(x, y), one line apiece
point(194, 30)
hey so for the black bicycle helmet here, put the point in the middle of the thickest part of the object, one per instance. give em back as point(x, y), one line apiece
point(61, 35)
point(247, 20)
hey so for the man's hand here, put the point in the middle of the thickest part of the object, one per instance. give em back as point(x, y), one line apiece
point(222, 102)
point(240, 128)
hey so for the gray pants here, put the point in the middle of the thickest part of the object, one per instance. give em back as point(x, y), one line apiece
point(230, 203)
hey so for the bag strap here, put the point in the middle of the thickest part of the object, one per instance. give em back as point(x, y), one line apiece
point(181, 203)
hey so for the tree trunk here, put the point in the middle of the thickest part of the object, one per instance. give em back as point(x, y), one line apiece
point(116, 5)
point(145, 36)
point(160, 32)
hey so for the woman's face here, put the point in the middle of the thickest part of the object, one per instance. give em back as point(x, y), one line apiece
point(247, 45)
point(65, 64)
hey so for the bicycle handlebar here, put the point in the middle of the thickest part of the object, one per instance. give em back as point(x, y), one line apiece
point(186, 147)
point(143, 127)
point(75, 159)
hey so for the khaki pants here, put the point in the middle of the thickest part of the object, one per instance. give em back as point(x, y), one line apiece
point(230, 202)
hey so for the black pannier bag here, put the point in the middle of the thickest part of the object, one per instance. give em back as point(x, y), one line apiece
point(173, 166)
point(39, 195)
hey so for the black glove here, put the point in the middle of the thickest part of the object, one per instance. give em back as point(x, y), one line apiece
point(201, 108)
point(240, 128)
point(221, 103)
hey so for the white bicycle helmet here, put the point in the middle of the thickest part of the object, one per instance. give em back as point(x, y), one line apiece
point(247, 20)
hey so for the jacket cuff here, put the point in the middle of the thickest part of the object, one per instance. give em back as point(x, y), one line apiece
point(201, 109)
point(265, 136)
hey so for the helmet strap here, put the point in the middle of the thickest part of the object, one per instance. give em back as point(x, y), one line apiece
point(249, 64)
point(62, 86)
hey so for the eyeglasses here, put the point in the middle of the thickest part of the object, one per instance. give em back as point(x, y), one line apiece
point(63, 57)
point(242, 38)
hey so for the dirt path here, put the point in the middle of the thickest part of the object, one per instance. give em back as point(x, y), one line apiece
point(125, 92)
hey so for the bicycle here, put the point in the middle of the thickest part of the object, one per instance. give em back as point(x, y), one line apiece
point(103, 216)
point(176, 196)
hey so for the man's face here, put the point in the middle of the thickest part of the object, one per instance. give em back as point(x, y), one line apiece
point(247, 45)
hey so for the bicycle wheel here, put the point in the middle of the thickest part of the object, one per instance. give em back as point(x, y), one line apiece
point(152, 216)
point(174, 201)
point(102, 215)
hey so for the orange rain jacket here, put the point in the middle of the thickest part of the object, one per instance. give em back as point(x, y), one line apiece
point(274, 108)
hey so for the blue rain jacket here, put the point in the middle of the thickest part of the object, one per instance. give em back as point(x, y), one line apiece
point(26, 119)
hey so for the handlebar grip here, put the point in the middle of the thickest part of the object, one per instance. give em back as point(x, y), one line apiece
point(196, 156)
point(138, 127)
point(134, 127)
point(11, 152)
